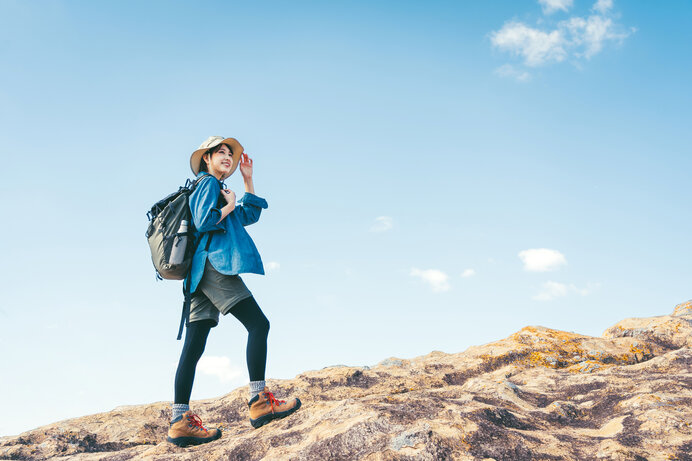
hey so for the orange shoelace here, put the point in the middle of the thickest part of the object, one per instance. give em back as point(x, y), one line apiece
point(273, 400)
point(194, 419)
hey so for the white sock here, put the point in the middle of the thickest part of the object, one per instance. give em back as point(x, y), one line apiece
point(256, 387)
point(179, 409)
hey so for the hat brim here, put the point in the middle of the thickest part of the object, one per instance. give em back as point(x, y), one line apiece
point(232, 143)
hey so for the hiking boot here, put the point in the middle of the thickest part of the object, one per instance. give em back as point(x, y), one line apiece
point(187, 429)
point(264, 407)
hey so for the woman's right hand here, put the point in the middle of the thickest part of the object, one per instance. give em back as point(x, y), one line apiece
point(229, 196)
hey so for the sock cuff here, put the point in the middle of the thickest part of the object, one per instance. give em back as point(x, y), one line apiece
point(179, 409)
point(256, 387)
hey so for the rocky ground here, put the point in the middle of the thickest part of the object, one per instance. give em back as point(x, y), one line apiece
point(539, 394)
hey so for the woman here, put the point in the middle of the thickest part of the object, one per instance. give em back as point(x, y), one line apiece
point(224, 250)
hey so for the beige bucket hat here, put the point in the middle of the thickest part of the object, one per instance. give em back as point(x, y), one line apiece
point(210, 143)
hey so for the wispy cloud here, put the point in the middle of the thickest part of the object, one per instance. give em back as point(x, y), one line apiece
point(438, 280)
point(468, 273)
point(535, 46)
point(551, 290)
point(382, 224)
point(587, 36)
point(551, 6)
point(602, 6)
point(576, 37)
point(542, 259)
point(508, 70)
point(220, 367)
point(272, 266)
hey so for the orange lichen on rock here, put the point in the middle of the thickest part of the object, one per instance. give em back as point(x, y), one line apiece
point(642, 352)
point(683, 308)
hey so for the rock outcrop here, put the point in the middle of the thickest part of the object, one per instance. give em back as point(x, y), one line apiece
point(540, 394)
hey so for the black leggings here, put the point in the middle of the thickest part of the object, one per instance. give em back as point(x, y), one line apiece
point(257, 325)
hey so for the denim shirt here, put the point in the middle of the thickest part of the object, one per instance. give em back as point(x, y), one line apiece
point(231, 250)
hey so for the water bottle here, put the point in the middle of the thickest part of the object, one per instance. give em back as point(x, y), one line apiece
point(179, 245)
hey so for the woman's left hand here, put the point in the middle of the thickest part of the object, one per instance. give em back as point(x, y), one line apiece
point(245, 166)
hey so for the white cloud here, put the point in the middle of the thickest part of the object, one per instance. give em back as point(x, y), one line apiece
point(576, 37)
point(272, 266)
point(602, 6)
point(535, 46)
point(589, 34)
point(508, 70)
point(551, 290)
point(438, 280)
point(220, 367)
point(468, 273)
point(382, 224)
point(542, 259)
point(551, 6)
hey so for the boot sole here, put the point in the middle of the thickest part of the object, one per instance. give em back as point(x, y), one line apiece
point(262, 420)
point(188, 441)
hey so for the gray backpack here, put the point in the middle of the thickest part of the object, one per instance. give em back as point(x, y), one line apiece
point(171, 238)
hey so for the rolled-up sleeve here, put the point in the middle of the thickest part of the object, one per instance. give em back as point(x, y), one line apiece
point(249, 208)
point(203, 200)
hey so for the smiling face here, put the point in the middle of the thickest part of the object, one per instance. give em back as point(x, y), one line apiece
point(219, 162)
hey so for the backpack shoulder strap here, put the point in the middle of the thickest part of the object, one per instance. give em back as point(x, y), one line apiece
point(198, 180)
point(187, 300)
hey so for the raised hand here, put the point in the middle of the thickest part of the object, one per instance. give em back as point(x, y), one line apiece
point(245, 166)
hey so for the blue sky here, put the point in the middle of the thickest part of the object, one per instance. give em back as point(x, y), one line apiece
point(439, 175)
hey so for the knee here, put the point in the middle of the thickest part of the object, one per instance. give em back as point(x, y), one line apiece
point(199, 351)
point(264, 326)
point(261, 326)
point(193, 352)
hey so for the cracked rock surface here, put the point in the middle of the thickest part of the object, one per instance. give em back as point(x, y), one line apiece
point(540, 394)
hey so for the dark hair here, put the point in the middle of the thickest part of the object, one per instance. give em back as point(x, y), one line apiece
point(202, 163)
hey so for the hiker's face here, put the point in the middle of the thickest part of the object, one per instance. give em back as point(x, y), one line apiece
point(220, 162)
